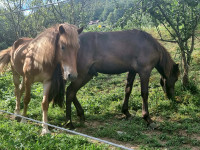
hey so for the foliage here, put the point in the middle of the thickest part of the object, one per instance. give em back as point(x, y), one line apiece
point(180, 18)
point(79, 12)
point(26, 136)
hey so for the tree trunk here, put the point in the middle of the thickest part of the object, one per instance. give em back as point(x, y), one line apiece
point(185, 75)
point(185, 78)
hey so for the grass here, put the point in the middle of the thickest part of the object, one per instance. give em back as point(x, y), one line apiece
point(102, 98)
point(25, 136)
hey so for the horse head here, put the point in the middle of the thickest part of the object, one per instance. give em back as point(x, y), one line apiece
point(69, 45)
point(168, 83)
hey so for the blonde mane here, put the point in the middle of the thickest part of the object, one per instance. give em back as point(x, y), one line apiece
point(44, 48)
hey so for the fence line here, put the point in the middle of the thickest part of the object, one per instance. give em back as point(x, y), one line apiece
point(69, 131)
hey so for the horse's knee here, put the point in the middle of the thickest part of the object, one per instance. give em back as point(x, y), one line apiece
point(26, 100)
point(70, 95)
point(45, 105)
point(128, 89)
point(145, 115)
point(16, 79)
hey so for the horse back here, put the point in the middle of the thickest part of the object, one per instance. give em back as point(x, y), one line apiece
point(21, 41)
point(118, 52)
point(18, 54)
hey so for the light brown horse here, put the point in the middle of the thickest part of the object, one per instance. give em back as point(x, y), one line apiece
point(48, 58)
point(131, 51)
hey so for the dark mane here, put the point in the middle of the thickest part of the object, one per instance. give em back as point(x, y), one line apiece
point(57, 89)
point(165, 64)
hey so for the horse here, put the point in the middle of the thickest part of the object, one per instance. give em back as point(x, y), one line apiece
point(49, 58)
point(133, 51)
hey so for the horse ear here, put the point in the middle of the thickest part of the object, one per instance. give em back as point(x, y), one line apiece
point(80, 30)
point(61, 29)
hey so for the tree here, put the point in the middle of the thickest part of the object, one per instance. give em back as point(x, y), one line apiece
point(110, 18)
point(180, 18)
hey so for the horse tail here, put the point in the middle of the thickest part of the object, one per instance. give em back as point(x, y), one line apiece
point(5, 58)
point(57, 89)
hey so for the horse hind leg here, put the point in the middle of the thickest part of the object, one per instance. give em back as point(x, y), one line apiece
point(45, 106)
point(18, 93)
point(27, 87)
point(128, 89)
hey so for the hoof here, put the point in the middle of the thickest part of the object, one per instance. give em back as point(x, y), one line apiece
point(45, 131)
point(17, 112)
point(23, 120)
point(69, 125)
point(82, 119)
point(153, 126)
point(18, 119)
point(130, 117)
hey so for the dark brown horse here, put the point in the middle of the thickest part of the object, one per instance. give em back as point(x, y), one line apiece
point(132, 51)
point(48, 58)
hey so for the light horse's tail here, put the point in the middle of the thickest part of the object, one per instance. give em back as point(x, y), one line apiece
point(57, 89)
point(5, 58)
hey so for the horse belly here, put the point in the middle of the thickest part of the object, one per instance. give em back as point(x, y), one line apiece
point(42, 77)
point(111, 68)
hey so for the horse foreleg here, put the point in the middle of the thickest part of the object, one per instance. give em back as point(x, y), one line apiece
point(45, 106)
point(70, 94)
point(71, 97)
point(27, 96)
point(144, 79)
point(128, 89)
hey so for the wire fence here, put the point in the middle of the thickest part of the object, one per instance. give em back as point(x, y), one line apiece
point(35, 7)
point(69, 131)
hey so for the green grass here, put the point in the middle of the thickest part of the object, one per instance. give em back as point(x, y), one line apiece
point(21, 136)
point(102, 99)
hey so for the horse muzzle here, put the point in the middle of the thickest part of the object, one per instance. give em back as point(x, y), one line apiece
point(72, 76)
point(68, 74)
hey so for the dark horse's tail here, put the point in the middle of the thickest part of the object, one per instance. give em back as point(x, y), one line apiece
point(57, 89)
point(4, 58)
